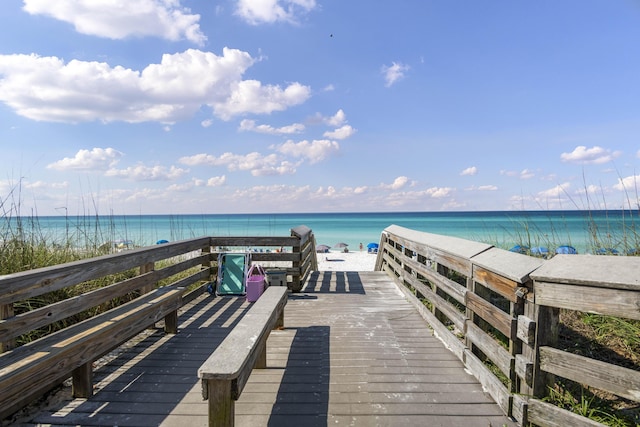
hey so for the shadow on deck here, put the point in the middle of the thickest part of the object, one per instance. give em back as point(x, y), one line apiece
point(353, 352)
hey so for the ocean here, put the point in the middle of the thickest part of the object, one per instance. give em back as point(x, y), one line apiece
point(585, 230)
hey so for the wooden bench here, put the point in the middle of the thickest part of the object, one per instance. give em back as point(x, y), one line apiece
point(30, 370)
point(225, 373)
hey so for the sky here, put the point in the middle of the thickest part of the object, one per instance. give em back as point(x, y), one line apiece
point(274, 106)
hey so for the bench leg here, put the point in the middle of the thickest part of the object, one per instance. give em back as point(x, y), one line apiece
point(82, 385)
point(261, 361)
point(171, 323)
point(221, 405)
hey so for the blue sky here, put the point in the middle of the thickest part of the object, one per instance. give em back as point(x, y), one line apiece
point(234, 106)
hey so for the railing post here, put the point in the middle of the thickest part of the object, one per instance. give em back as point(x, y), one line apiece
point(6, 311)
point(144, 269)
point(547, 325)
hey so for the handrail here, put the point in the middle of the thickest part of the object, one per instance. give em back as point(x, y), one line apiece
point(498, 311)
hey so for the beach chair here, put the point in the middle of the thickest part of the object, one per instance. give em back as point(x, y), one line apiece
point(232, 273)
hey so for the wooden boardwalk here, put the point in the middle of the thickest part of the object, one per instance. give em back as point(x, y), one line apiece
point(355, 352)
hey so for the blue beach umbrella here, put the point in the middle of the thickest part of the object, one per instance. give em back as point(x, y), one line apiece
point(566, 249)
point(372, 245)
point(161, 241)
point(607, 251)
point(539, 251)
point(519, 249)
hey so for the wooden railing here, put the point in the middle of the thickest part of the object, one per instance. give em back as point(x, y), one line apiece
point(498, 311)
point(182, 268)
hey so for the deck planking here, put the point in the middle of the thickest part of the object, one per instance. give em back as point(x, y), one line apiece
point(353, 352)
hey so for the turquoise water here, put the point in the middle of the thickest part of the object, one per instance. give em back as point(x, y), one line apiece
point(585, 230)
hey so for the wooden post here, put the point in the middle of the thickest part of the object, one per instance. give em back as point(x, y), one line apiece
point(6, 311)
point(171, 322)
point(82, 383)
point(146, 268)
point(547, 324)
point(221, 405)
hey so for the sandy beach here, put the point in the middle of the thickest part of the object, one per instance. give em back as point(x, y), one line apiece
point(346, 261)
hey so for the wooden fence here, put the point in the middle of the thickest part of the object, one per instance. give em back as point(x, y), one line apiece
point(174, 272)
point(498, 311)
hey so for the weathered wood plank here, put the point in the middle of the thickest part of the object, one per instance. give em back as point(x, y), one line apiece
point(493, 350)
point(616, 272)
point(23, 285)
point(234, 359)
point(513, 266)
point(546, 415)
point(607, 301)
point(497, 318)
point(605, 376)
point(497, 283)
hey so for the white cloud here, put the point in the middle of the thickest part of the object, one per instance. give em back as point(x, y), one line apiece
point(315, 151)
point(269, 11)
point(487, 187)
point(47, 89)
point(119, 19)
point(397, 184)
point(250, 96)
point(629, 183)
point(523, 174)
point(94, 159)
point(337, 119)
point(147, 173)
point(250, 125)
point(256, 163)
point(439, 192)
point(559, 190)
point(343, 132)
point(593, 155)
point(394, 72)
point(470, 171)
point(216, 181)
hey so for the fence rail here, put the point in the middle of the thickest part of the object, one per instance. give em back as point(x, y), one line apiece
point(498, 311)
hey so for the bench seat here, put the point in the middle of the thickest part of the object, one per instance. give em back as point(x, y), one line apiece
point(32, 369)
point(225, 373)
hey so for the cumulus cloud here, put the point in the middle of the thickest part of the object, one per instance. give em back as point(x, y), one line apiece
point(256, 163)
point(593, 155)
point(119, 19)
point(439, 192)
point(314, 151)
point(269, 11)
point(250, 96)
point(629, 183)
point(394, 72)
point(338, 119)
point(343, 132)
point(47, 89)
point(470, 171)
point(95, 159)
point(397, 183)
point(556, 191)
point(147, 173)
point(216, 181)
point(247, 125)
